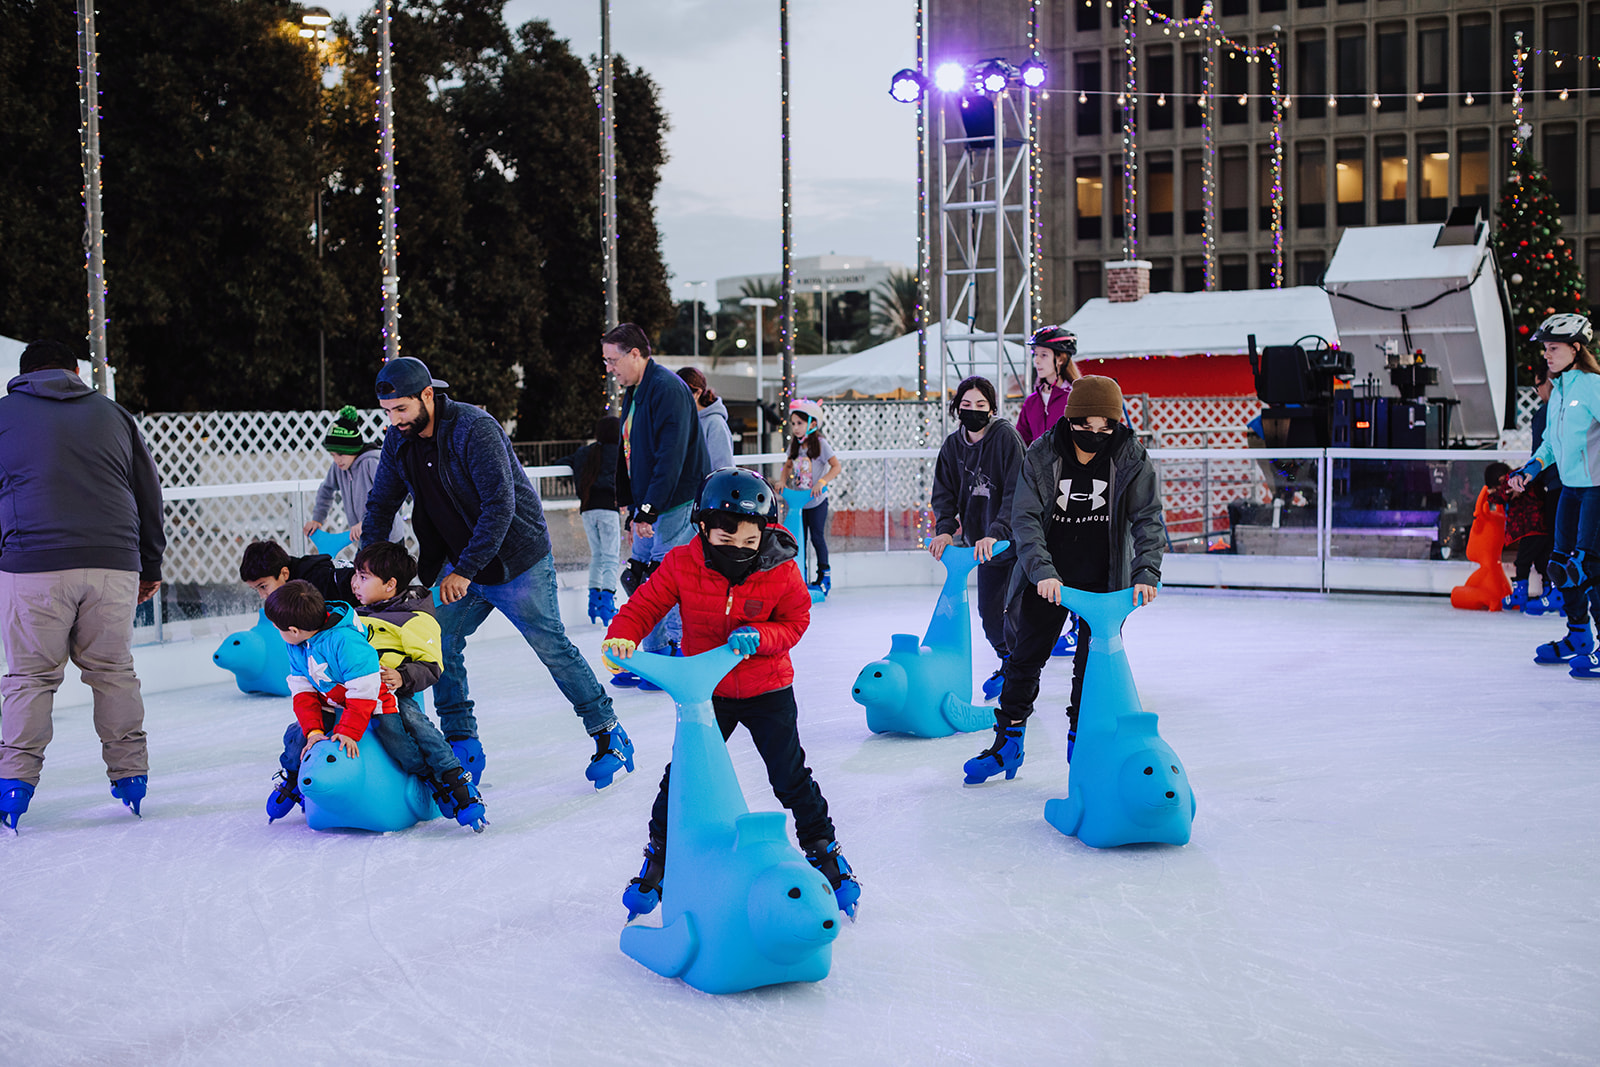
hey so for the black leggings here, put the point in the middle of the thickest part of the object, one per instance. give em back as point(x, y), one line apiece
point(1038, 623)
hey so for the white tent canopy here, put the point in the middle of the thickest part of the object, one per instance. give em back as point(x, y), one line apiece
point(1214, 323)
point(890, 369)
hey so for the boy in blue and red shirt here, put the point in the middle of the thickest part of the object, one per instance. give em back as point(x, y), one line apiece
point(737, 584)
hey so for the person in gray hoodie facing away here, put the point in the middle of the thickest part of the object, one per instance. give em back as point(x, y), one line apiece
point(1087, 515)
point(81, 542)
point(713, 418)
point(973, 486)
point(355, 464)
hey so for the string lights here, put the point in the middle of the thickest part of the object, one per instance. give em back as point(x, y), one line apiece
point(786, 329)
point(388, 185)
point(94, 234)
point(610, 386)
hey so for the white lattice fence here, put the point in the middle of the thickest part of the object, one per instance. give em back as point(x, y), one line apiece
point(228, 447)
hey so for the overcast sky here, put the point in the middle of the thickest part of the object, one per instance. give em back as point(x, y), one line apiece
point(716, 63)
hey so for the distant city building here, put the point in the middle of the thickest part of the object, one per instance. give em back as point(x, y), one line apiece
point(847, 283)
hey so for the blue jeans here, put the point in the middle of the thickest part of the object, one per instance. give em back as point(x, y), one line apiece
point(414, 742)
point(1578, 529)
point(603, 528)
point(672, 529)
point(529, 601)
point(815, 517)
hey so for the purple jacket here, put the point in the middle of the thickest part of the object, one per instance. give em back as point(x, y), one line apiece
point(1035, 419)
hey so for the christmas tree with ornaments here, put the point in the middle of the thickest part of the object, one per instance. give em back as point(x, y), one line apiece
point(1535, 260)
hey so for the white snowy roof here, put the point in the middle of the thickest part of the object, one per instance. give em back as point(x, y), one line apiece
point(1215, 323)
point(890, 369)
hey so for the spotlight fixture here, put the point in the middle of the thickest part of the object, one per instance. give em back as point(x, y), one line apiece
point(950, 77)
point(907, 86)
point(995, 76)
point(1033, 72)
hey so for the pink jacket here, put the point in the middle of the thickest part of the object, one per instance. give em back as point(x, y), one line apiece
point(1035, 419)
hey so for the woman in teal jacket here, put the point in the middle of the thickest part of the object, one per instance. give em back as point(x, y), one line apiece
point(1572, 446)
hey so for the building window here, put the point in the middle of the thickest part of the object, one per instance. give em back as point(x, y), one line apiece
point(1233, 273)
point(1311, 187)
point(1393, 169)
point(1560, 31)
point(1090, 193)
point(1158, 84)
point(1433, 66)
point(1234, 191)
point(1194, 194)
point(1194, 274)
point(1272, 5)
point(1311, 55)
point(1236, 7)
point(1308, 268)
point(1264, 192)
point(1088, 18)
point(1476, 60)
point(1311, 3)
point(1089, 109)
point(1235, 79)
point(1392, 66)
point(1191, 87)
point(1511, 24)
point(1351, 60)
point(1088, 281)
point(1594, 177)
point(1161, 275)
point(1433, 189)
point(1192, 8)
point(1561, 164)
point(1472, 170)
point(1350, 184)
point(1158, 189)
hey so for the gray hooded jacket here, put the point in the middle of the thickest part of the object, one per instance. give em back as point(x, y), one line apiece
point(718, 437)
point(77, 485)
point(1138, 531)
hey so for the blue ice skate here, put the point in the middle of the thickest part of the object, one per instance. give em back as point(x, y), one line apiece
point(131, 791)
point(613, 753)
point(14, 797)
point(924, 688)
point(741, 907)
point(1067, 643)
point(469, 750)
point(1125, 784)
point(1578, 642)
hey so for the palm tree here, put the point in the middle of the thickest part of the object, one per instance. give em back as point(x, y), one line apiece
point(895, 310)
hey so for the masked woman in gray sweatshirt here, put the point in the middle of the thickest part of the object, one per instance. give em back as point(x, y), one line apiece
point(973, 484)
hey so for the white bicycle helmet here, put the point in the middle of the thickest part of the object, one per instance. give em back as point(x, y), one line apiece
point(1568, 328)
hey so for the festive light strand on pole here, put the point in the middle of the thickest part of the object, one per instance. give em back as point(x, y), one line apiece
point(1277, 169)
point(94, 234)
point(1130, 128)
point(608, 198)
point(1036, 186)
point(924, 251)
point(786, 293)
point(1208, 155)
point(1519, 131)
point(388, 185)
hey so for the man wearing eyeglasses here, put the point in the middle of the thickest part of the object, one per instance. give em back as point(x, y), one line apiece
point(480, 525)
point(660, 467)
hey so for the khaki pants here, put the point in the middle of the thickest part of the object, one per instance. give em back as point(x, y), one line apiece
point(45, 618)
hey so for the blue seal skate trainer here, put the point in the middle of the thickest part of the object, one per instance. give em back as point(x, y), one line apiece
point(644, 892)
point(646, 685)
point(1004, 755)
point(1125, 784)
point(257, 657)
point(1578, 642)
point(330, 542)
point(613, 753)
point(130, 791)
point(794, 502)
point(740, 905)
point(14, 797)
point(469, 750)
point(924, 687)
point(364, 792)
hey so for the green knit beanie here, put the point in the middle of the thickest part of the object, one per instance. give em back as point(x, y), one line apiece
point(344, 439)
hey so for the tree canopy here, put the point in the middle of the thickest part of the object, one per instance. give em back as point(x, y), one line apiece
point(219, 126)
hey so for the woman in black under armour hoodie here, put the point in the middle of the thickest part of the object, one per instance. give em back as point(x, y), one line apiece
point(1086, 515)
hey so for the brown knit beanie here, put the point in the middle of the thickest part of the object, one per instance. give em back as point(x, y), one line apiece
point(1094, 394)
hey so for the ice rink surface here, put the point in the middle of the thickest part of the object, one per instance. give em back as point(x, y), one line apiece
point(1396, 859)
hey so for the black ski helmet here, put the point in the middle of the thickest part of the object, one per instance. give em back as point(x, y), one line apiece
point(1058, 338)
point(736, 491)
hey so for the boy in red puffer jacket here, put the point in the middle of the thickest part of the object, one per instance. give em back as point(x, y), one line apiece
point(737, 584)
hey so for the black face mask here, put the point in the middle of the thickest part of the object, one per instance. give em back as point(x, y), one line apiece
point(734, 564)
point(973, 419)
point(1090, 441)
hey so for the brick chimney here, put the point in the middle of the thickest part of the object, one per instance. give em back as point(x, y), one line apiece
point(1127, 280)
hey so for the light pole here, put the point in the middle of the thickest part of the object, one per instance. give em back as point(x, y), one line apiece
point(94, 225)
point(314, 27)
point(692, 286)
point(823, 292)
point(759, 302)
point(391, 267)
